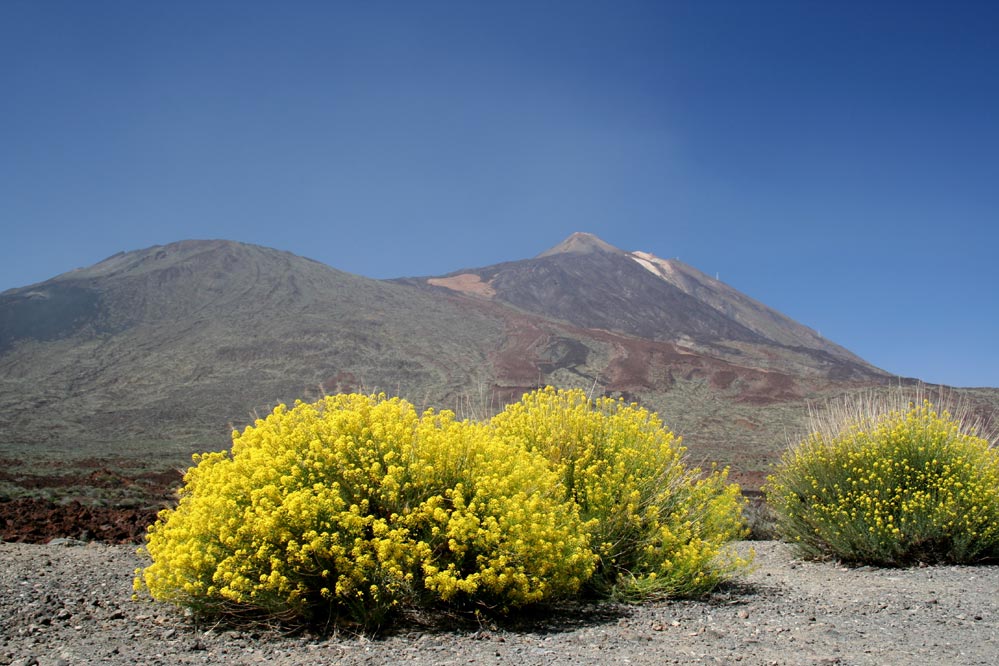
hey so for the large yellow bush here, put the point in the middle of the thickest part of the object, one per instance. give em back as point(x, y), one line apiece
point(658, 526)
point(353, 505)
point(890, 487)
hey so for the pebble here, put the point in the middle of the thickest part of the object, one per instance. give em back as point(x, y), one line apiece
point(25, 661)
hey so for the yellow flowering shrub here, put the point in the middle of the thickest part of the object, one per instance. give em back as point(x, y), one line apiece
point(892, 488)
point(353, 505)
point(658, 526)
point(502, 533)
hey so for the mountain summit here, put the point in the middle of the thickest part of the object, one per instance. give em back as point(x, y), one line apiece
point(581, 243)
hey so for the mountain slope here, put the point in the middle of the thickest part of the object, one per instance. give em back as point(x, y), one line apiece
point(174, 342)
point(151, 355)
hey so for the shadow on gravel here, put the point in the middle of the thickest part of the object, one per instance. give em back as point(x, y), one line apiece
point(553, 618)
point(546, 619)
point(556, 618)
point(738, 593)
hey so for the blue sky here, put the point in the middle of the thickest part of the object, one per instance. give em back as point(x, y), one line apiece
point(837, 161)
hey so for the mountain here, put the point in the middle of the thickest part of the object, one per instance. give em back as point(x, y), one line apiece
point(129, 366)
point(590, 284)
point(168, 345)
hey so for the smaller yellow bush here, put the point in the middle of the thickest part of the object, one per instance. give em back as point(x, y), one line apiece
point(353, 505)
point(890, 488)
point(658, 527)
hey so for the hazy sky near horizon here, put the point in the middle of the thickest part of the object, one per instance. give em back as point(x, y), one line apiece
point(836, 161)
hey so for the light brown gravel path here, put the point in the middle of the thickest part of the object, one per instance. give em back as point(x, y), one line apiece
point(71, 605)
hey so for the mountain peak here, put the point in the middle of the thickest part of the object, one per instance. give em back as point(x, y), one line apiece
point(581, 243)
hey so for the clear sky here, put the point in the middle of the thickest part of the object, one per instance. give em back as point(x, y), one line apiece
point(838, 161)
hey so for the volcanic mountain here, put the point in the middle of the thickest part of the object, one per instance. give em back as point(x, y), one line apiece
point(591, 284)
point(151, 355)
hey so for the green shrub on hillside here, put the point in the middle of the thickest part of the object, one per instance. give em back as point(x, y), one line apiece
point(658, 527)
point(351, 506)
point(890, 487)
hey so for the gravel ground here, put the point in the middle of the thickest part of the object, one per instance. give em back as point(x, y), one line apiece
point(71, 604)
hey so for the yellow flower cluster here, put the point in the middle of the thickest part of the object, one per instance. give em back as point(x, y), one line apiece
point(351, 506)
point(902, 487)
point(658, 527)
point(355, 504)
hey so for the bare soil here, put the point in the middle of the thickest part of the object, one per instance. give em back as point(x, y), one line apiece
point(70, 603)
